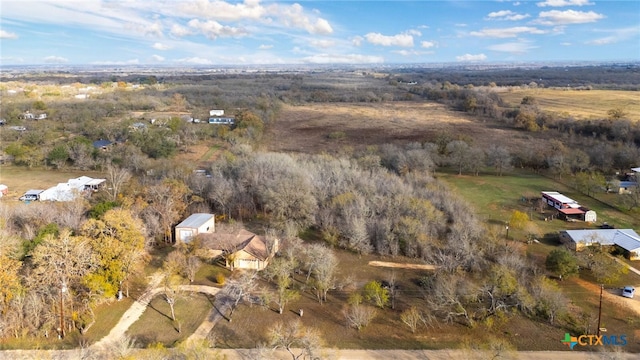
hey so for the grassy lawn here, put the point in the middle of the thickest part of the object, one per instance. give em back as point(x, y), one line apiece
point(155, 324)
point(580, 104)
point(208, 273)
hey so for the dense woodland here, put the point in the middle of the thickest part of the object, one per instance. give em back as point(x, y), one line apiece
point(377, 200)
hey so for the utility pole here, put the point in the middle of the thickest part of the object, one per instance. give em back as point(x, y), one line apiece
point(63, 289)
point(600, 310)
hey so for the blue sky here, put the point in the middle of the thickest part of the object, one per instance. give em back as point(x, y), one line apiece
point(252, 32)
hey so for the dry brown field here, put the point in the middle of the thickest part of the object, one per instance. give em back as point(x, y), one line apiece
point(307, 128)
point(580, 104)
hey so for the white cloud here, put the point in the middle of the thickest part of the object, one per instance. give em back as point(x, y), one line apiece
point(404, 40)
point(427, 44)
point(126, 62)
point(343, 59)
point(213, 29)
point(556, 17)
point(471, 58)
point(55, 60)
point(616, 35)
point(220, 10)
point(180, 31)
point(513, 47)
point(414, 32)
point(357, 41)
point(411, 52)
point(506, 15)
point(265, 47)
point(146, 29)
point(295, 16)
point(160, 46)
point(507, 32)
point(195, 60)
point(322, 43)
point(7, 35)
point(157, 58)
point(561, 3)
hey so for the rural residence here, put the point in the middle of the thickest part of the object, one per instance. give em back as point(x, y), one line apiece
point(568, 209)
point(68, 191)
point(626, 239)
point(240, 250)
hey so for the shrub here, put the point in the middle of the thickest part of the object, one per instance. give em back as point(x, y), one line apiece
point(220, 279)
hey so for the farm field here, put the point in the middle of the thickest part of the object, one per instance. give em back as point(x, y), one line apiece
point(329, 127)
point(580, 104)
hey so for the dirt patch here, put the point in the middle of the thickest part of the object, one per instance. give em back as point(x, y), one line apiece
point(402, 265)
point(612, 296)
point(332, 127)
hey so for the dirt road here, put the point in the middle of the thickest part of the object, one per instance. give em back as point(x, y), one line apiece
point(402, 265)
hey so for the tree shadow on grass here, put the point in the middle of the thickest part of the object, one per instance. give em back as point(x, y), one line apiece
point(159, 312)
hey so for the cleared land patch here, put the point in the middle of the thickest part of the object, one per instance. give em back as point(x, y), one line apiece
point(309, 128)
point(581, 104)
point(402, 265)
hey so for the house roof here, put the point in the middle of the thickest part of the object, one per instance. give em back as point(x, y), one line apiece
point(559, 197)
point(625, 238)
point(627, 184)
point(195, 220)
point(101, 143)
point(242, 240)
point(571, 211)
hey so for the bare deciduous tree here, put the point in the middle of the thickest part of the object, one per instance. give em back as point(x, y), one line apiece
point(116, 178)
point(300, 342)
point(359, 315)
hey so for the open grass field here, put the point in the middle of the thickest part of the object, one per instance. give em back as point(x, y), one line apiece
point(332, 127)
point(495, 197)
point(581, 104)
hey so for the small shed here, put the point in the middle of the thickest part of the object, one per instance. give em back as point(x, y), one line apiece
point(590, 216)
point(195, 224)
